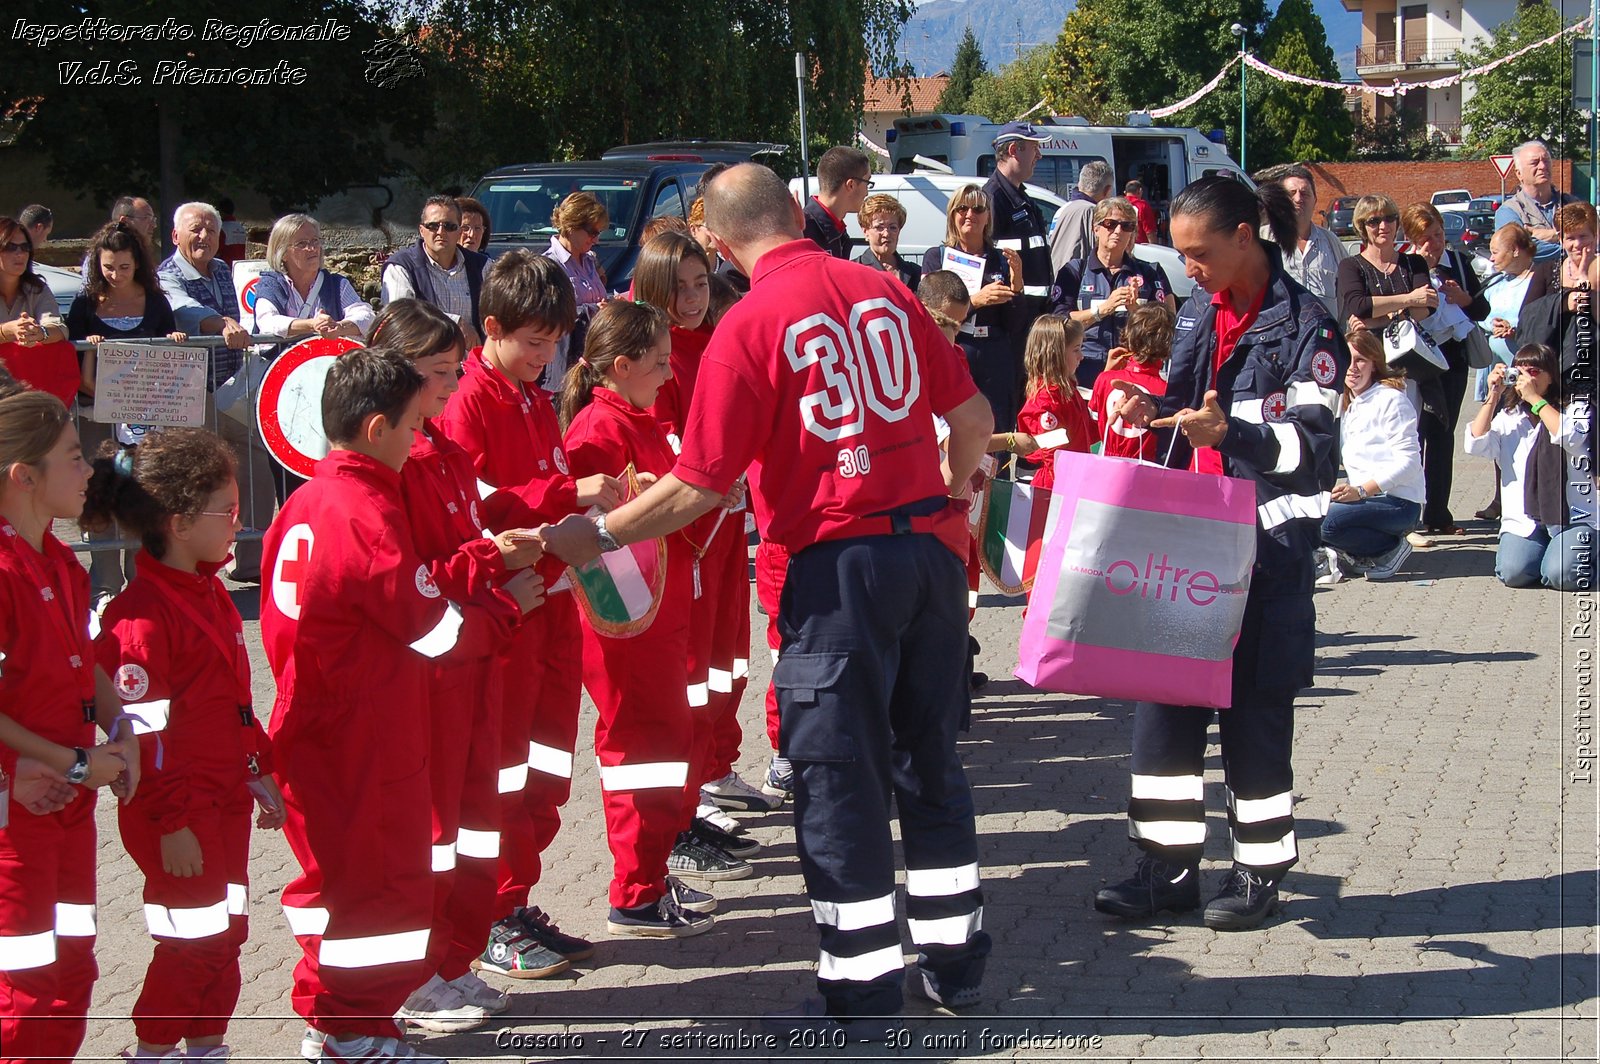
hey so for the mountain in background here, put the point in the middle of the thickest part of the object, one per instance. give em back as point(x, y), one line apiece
point(929, 40)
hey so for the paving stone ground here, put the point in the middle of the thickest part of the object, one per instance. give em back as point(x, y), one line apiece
point(1444, 906)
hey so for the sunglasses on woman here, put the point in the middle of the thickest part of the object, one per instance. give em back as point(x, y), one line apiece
point(1111, 225)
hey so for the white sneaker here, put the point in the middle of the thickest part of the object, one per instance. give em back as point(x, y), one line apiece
point(1386, 565)
point(477, 992)
point(216, 1053)
point(317, 1046)
point(731, 792)
point(438, 1006)
point(1328, 571)
point(718, 819)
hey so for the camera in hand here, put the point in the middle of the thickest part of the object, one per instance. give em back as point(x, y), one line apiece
point(1511, 377)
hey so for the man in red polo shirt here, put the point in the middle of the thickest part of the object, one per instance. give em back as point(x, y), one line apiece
point(825, 380)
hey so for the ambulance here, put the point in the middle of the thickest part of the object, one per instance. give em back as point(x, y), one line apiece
point(1164, 159)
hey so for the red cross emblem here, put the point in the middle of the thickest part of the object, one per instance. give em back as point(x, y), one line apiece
point(291, 569)
point(1275, 407)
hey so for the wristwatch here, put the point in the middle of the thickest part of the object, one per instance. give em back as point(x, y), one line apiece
point(608, 542)
point(80, 768)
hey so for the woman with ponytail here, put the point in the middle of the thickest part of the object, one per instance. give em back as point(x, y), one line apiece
point(644, 738)
point(1252, 393)
point(173, 644)
point(51, 697)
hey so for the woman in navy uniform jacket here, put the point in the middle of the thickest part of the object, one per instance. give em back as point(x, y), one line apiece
point(1252, 393)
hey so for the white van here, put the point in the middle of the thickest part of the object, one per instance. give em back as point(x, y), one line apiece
point(1164, 159)
point(925, 195)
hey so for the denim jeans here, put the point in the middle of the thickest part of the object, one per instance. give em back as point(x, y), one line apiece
point(1565, 563)
point(1370, 527)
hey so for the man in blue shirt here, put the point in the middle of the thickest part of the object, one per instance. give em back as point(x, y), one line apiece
point(1535, 204)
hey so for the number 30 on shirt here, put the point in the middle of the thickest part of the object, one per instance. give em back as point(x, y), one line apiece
point(869, 365)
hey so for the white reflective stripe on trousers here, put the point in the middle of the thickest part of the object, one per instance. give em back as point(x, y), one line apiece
point(512, 780)
point(372, 951)
point(1170, 788)
point(18, 953)
point(551, 760)
point(720, 681)
point(741, 668)
point(1169, 832)
point(190, 923)
point(442, 638)
point(75, 920)
point(941, 882)
point(699, 695)
point(444, 857)
point(1265, 854)
point(306, 920)
point(479, 845)
point(946, 930)
point(854, 915)
point(1257, 810)
point(860, 969)
point(644, 777)
point(238, 899)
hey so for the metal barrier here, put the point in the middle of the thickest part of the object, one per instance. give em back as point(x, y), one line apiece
point(246, 433)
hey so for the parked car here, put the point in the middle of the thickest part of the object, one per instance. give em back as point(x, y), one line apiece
point(1341, 217)
point(925, 194)
point(521, 198)
point(1480, 227)
point(64, 284)
point(1487, 203)
point(1451, 200)
point(706, 151)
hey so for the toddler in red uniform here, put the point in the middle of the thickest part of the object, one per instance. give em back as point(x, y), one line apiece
point(504, 422)
point(51, 696)
point(644, 738)
point(1055, 414)
point(447, 527)
point(1146, 346)
point(351, 619)
point(673, 275)
point(173, 644)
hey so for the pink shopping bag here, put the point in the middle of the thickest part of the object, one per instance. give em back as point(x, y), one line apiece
point(1141, 589)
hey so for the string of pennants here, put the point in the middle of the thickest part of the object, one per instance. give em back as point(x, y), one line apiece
point(1377, 90)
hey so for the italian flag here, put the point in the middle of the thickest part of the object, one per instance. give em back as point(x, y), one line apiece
point(1012, 530)
point(620, 592)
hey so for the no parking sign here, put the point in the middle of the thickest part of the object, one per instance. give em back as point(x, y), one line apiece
point(289, 404)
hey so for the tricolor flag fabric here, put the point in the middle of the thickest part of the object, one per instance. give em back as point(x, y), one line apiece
point(620, 592)
point(1013, 524)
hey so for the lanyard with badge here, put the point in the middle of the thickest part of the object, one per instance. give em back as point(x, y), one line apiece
point(238, 660)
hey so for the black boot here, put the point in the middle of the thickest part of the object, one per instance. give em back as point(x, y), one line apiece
point(1246, 900)
point(1154, 886)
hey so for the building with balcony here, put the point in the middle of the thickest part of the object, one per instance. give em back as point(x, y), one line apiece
point(1411, 42)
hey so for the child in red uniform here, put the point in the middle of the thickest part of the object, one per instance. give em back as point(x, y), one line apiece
point(173, 644)
point(673, 275)
point(51, 695)
point(351, 618)
point(505, 424)
point(1146, 346)
point(644, 738)
point(447, 528)
point(1055, 414)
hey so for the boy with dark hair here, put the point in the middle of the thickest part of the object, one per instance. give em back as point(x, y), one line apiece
point(507, 425)
point(350, 618)
point(844, 179)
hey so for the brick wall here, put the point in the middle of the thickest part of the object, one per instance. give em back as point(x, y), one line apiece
point(1416, 182)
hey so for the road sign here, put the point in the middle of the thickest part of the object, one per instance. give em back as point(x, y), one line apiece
point(1503, 163)
point(289, 404)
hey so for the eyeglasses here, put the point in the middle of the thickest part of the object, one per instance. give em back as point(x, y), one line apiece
point(434, 227)
point(1382, 219)
point(307, 245)
point(231, 513)
point(1112, 225)
point(972, 208)
point(14, 247)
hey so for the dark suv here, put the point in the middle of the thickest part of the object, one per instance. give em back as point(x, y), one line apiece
point(706, 151)
point(520, 200)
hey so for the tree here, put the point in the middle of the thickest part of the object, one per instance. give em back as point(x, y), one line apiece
point(167, 113)
point(1528, 98)
point(965, 73)
point(1015, 89)
point(1397, 136)
point(1297, 123)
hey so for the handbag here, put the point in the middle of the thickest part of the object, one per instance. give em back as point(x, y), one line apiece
point(1479, 354)
point(1140, 594)
point(1408, 348)
point(235, 397)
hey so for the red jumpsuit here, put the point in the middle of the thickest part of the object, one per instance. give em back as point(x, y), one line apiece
point(351, 619)
point(446, 515)
point(1051, 409)
point(719, 623)
point(47, 863)
point(1123, 440)
point(772, 568)
point(512, 437)
point(644, 737)
point(173, 644)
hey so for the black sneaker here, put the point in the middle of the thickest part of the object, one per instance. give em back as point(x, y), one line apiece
point(726, 841)
point(687, 897)
point(1154, 886)
point(535, 923)
point(663, 918)
point(925, 984)
point(694, 858)
point(1246, 900)
point(513, 953)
